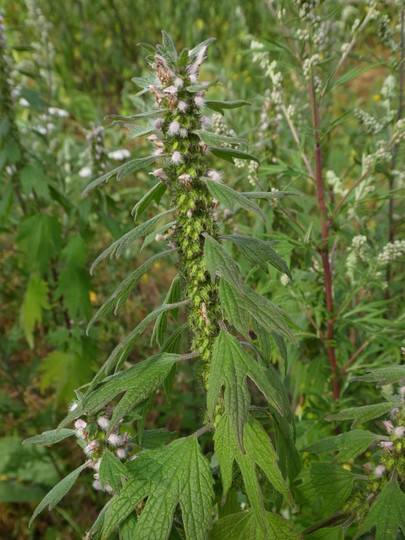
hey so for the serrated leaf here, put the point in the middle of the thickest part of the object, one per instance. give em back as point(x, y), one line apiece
point(154, 194)
point(121, 171)
point(386, 514)
point(220, 106)
point(122, 292)
point(217, 259)
point(142, 379)
point(267, 194)
point(120, 245)
point(112, 471)
point(259, 252)
point(234, 309)
point(383, 376)
point(361, 415)
point(349, 445)
point(145, 114)
point(231, 198)
point(35, 301)
point(228, 451)
point(173, 474)
point(230, 154)
point(230, 365)
point(243, 526)
point(58, 492)
point(50, 437)
point(33, 178)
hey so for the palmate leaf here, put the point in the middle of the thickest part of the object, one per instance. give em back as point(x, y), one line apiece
point(120, 245)
point(217, 259)
point(167, 476)
point(244, 526)
point(260, 452)
point(230, 365)
point(259, 252)
point(231, 198)
point(121, 171)
point(349, 445)
point(154, 194)
point(122, 292)
point(58, 492)
point(35, 301)
point(386, 514)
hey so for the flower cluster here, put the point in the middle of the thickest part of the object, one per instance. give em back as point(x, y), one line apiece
point(93, 439)
point(391, 252)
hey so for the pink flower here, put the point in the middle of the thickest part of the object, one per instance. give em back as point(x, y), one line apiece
point(185, 178)
point(80, 424)
point(205, 121)
point(103, 422)
point(182, 106)
point(91, 448)
point(178, 82)
point(388, 426)
point(379, 470)
point(172, 90)
point(214, 175)
point(159, 123)
point(159, 173)
point(388, 445)
point(399, 431)
point(174, 128)
point(97, 485)
point(121, 453)
point(114, 439)
point(199, 101)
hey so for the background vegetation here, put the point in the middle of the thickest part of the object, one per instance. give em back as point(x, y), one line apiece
point(70, 64)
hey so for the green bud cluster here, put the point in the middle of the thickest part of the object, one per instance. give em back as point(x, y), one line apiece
point(183, 171)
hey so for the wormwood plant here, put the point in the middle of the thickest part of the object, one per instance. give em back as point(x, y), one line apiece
point(160, 489)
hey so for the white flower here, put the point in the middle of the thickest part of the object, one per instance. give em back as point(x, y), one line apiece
point(103, 422)
point(177, 158)
point(285, 280)
point(399, 431)
point(119, 154)
point(205, 121)
point(91, 448)
point(85, 172)
point(96, 465)
point(178, 82)
point(174, 128)
point(379, 470)
point(23, 102)
point(214, 175)
point(183, 133)
point(186, 178)
point(193, 78)
point(61, 113)
point(42, 130)
point(159, 173)
point(114, 439)
point(80, 424)
point(189, 213)
point(73, 406)
point(182, 106)
point(97, 485)
point(199, 101)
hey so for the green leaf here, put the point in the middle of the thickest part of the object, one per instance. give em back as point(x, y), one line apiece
point(50, 437)
point(122, 292)
point(220, 106)
point(383, 376)
point(217, 259)
point(234, 309)
point(74, 283)
point(361, 415)
point(267, 314)
point(138, 131)
point(120, 245)
point(174, 295)
point(231, 198)
point(386, 514)
point(194, 88)
point(267, 194)
point(230, 154)
point(260, 451)
point(193, 53)
point(154, 194)
point(40, 237)
point(145, 114)
point(167, 476)
point(215, 138)
point(35, 300)
point(112, 471)
point(259, 252)
point(349, 445)
point(230, 365)
point(142, 379)
point(33, 178)
point(58, 492)
point(243, 526)
point(123, 170)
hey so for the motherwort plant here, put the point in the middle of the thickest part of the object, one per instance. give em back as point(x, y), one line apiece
point(160, 489)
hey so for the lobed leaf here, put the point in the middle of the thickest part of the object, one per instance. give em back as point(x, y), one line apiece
point(217, 259)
